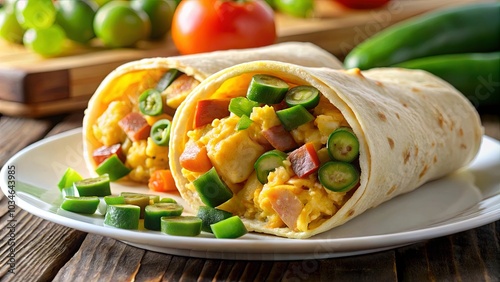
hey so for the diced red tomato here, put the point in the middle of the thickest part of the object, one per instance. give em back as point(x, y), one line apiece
point(195, 158)
point(210, 109)
point(279, 138)
point(162, 181)
point(135, 126)
point(287, 205)
point(102, 153)
point(304, 160)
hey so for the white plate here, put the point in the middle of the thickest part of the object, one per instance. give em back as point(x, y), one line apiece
point(461, 201)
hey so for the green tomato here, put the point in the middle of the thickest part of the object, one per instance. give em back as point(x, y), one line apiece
point(10, 29)
point(76, 18)
point(47, 42)
point(296, 8)
point(160, 13)
point(35, 13)
point(117, 24)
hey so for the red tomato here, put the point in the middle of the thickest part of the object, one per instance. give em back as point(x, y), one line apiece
point(362, 4)
point(208, 25)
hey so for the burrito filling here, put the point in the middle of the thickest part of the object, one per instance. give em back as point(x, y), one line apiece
point(271, 150)
point(135, 122)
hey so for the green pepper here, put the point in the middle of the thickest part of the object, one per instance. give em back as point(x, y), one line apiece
point(464, 29)
point(167, 79)
point(476, 75)
point(83, 205)
point(69, 177)
point(114, 167)
point(343, 145)
point(95, 186)
point(210, 216)
point(229, 228)
point(304, 95)
point(295, 8)
point(211, 189)
point(294, 117)
point(267, 89)
point(243, 123)
point(151, 102)
point(153, 214)
point(181, 225)
point(338, 176)
point(160, 132)
point(242, 106)
point(122, 216)
point(268, 162)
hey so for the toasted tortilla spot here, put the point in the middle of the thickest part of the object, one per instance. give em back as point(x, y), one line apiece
point(424, 170)
point(397, 115)
point(382, 116)
point(416, 150)
point(461, 132)
point(393, 188)
point(435, 159)
point(463, 146)
point(440, 120)
point(406, 156)
point(391, 142)
point(452, 125)
point(350, 213)
point(378, 83)
point(415, 89)
point(405, 105)
point(433, 144)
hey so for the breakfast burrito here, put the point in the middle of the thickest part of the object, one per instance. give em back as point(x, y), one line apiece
point(296, 151)
point(129, 114)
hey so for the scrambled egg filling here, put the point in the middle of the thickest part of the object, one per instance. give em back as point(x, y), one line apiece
point(233, 154)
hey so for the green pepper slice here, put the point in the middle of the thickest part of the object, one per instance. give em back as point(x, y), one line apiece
point(153, 214)
point(343, 145)
point(338, 176)
point(83, 205)
point(69, 177)
point(294, 117)
point(267, 89)
point(304, 95)
point(151, 102)
point(229, 228)
point(167, 79)
point(114, 167)
point(181, 225)
point(268, 162)
point(242, 106)
point(210, 216)
point(211, 189)
point(243, 123)
point(95, 186)
point(123, 216)
point(160, 132)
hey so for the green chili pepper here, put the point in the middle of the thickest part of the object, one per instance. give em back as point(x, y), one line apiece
point(229, 228)
point(95, 186)
point(304, 95)
point(294, 117)
point(210, 216)
point(343, 145)
point(242, 106)
point(211, 189)
point(167, 79)
point(476, 75)
point(84, 205)
point(181, 225)
point(268, 162)
point(123, 216)
point(338, 176)
point(69, 177)
point(160, 132)
point(243, 123)
point(153, 214)
point(267, 89)
point(114, 167)
point(151, 102)
point(464, 29)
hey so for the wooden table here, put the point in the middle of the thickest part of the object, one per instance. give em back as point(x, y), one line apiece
point(46, 251)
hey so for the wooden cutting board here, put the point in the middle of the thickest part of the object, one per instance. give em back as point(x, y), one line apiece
point(32, 86)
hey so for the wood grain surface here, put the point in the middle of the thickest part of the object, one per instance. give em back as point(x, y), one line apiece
point(45, 251)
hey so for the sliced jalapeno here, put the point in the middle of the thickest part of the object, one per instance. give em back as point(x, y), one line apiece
point(150, 102)
point(294, 117)
point(210, 216)
point(160, 132)
point(95, 186)
point(69, 177)
point(304, 95)
point(343, 145)
point(167, 79)
point(268, 162)
point(84, 205)
point(229, 228)
point(153, 214)
point(267, 89)
point(114, 167)
point(242, 106)
point(181, 225)
point(243, 123)
point(122, 216)
point(338, 176)
point(211, 189)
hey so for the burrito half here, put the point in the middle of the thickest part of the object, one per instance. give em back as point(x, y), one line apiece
point(293, 166)
point(138, 95)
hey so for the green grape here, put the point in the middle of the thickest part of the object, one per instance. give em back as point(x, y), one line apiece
point(76, 18)
point(35, 13)
point(10, 30)
point(47, 42)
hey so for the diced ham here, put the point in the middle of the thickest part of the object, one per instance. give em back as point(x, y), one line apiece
point(279, 138)
point(195, 158)
point(304, 160)
point(287, 205)
point(102, 153)
point(135, 126)
point(210, 109)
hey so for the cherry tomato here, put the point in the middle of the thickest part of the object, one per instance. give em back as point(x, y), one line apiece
point(362, 4)
point(209, 25)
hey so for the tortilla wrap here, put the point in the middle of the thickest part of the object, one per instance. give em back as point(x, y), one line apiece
point(412, 128)
point(128, 81)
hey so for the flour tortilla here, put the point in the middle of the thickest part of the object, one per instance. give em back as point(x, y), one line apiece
point(129, 79)
point(412, 126)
